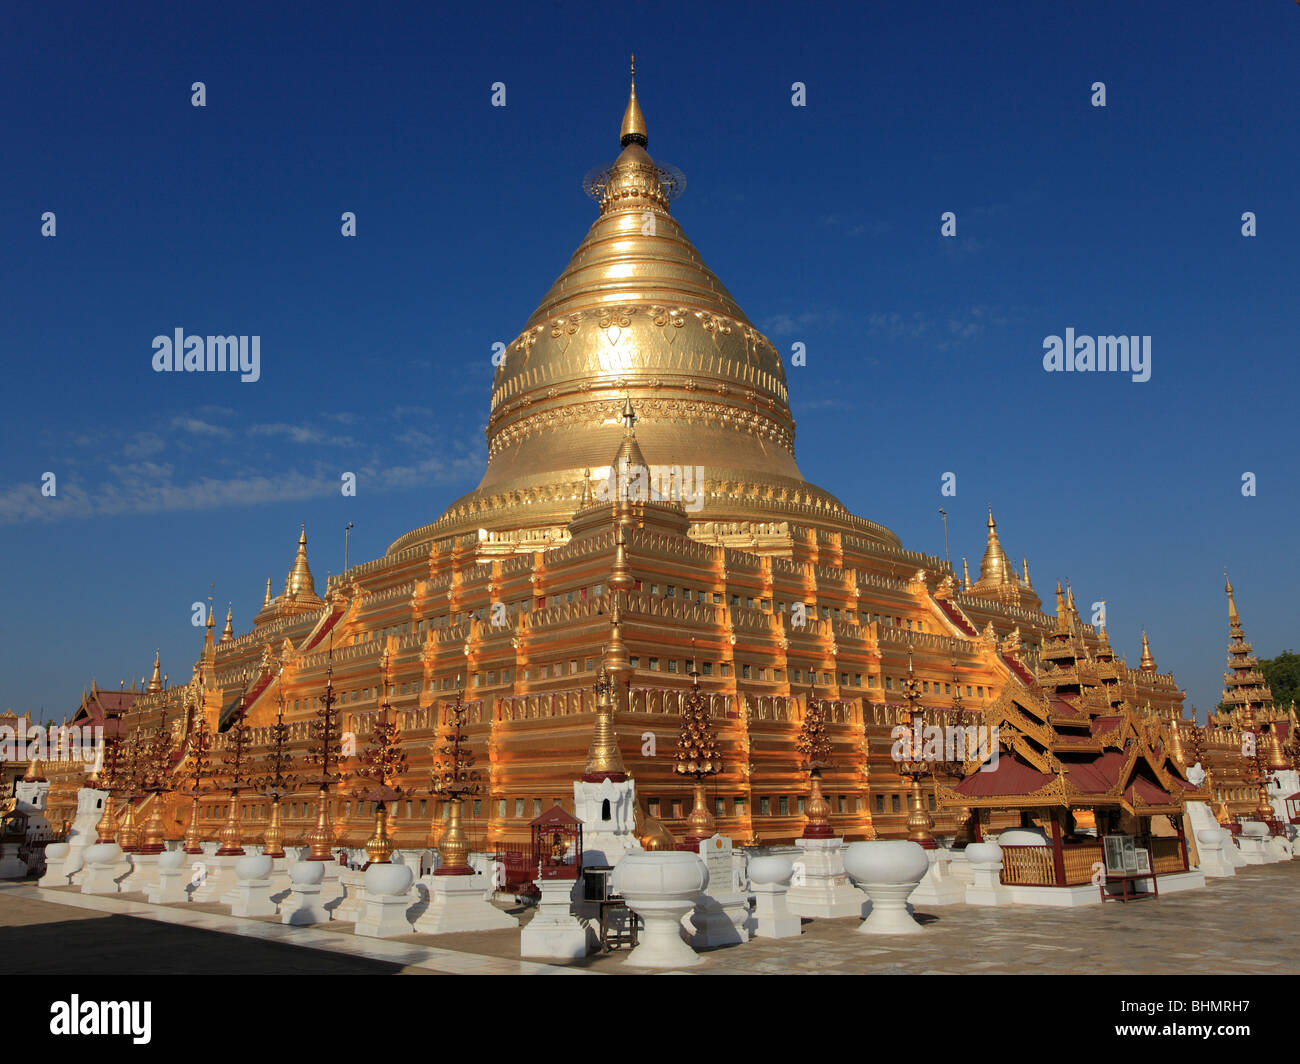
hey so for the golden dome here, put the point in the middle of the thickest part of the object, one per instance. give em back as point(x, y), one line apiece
point(637, 315)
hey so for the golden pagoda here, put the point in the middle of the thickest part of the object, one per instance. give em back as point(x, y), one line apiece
point(641, 512)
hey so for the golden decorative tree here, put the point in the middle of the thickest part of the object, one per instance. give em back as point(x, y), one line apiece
point(239, 738)
point(158, 754)
point(382, 762)
point(325, 756)
point(697, 757)
point(920, 825)
point(814, 745)
point(277, 779)
point(133, 771)
point(454, 776)
point(110, 775)
point(200, 749)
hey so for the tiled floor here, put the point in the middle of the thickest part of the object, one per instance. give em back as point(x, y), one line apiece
point(1238, 925)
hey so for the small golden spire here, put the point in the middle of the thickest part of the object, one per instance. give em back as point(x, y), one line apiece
point(620, 575)
point(1234, 618)
point(266, 601)
point(155, 681)
point(1025, 561)
point(300, 583)
point(33, 773)
point(995, 566)
point(965, 575)
point(228, 632)
point(1148, 663)
point(633, 131)
point(604, 759)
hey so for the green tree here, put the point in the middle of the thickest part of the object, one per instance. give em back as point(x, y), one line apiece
point(1283, 676)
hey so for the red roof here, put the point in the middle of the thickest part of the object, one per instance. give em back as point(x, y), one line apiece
point(1011, 777)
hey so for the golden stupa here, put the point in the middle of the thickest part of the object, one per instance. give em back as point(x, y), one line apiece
point(637, 314)
point(639, 361)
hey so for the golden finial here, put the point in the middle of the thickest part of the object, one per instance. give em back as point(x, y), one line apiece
point(633, 130)
point(1025, 562)
point(1148, 663)
point(995, 566)
point(155, 681)
point(604, 759)
point(267, 600)
point(629, 417)
point(1233, 617)
point(965, 575)
point(228, 632)
point(620, 575)
point(300, 582)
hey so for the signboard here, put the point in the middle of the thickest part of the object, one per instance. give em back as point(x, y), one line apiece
point(1121, 855)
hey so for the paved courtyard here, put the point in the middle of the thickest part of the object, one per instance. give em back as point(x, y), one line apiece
point(1235, 926)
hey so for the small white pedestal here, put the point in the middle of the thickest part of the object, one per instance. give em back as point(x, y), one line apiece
point(820, 887)
point(212, 876)
point(460, 903)
point(384, 898)
point(1211, 844)
point(351, 881)
point(172, 884)
point(304, 905)
point(554, 931)
point(939, 886)
point(57, 874)
point(769, 878)
point(985, 862)
point(106, 867)
point(253, 892)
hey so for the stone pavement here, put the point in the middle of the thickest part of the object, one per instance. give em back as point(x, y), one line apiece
point(1241, 925)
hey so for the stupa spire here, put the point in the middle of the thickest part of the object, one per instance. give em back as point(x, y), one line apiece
point(155, 681)
point(995, 566)
point(300, 583)
point(1148, 663)
point(228, 632)
point(633, 130)
point(266, 601)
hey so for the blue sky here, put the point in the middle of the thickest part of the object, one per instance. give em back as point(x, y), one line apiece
point(924, 352)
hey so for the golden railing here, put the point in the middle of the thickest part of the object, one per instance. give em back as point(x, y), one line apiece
point(1079, 861)
point(1166, 856)
point(1028, 866)
point(1034, 866)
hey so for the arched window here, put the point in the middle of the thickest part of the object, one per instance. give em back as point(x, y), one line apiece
point(604, 810)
